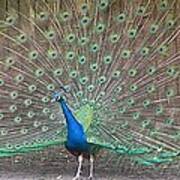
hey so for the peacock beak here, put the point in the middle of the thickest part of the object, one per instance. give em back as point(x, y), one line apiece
point(53, 100)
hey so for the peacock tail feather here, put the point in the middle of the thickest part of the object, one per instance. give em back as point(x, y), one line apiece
point(119, 62)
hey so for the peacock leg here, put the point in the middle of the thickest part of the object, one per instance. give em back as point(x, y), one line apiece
point(91, 167)
point(59, 177)
point(78, 173)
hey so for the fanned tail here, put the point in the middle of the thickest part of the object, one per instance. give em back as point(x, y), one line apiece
point(120, 59)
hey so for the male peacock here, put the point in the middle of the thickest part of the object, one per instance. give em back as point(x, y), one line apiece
point(77, 142)
point(118, 63)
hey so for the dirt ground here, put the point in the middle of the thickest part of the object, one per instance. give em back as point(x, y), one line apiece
point(52, 177)
point(48, 165)
point(51, 172)
point(24, 176)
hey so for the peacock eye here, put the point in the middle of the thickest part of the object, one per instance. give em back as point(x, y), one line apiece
point(58, 98)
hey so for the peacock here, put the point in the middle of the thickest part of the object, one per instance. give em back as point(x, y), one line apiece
point(93, 76)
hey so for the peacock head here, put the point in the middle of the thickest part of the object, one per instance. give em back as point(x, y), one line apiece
point(56, 97)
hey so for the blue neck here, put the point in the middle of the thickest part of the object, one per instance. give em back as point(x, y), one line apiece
point(76, 137)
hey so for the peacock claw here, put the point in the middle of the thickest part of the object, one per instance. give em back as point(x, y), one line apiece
point(59, 177)
point(90, 178)
point(77, 178)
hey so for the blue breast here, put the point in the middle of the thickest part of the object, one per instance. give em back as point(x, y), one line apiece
point(76, 137)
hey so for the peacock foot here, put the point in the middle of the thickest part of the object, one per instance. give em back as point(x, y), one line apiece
point(77, 178)
point(90, 178)
point(59, 177)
